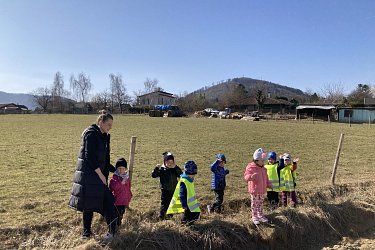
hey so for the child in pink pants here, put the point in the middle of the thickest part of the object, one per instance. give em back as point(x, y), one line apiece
point(257, 179)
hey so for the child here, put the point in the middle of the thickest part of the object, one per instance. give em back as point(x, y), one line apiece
point(273, 171)
point(256, 176)
point(184, 199)
point(218, 182)
point(288, 174)
point(168, 174)
point(120, 186)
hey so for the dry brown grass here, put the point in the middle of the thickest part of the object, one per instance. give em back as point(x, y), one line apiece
point(38, 158)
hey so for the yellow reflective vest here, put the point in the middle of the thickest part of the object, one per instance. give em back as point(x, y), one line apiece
point(289, 178)
point(175, 206)
point(273, 177)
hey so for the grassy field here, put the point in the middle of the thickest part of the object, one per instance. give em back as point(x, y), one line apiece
point(38, 155)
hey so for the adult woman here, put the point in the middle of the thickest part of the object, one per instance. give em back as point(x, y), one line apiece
point(90, 192)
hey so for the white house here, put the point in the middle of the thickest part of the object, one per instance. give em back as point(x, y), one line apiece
point(156, 98)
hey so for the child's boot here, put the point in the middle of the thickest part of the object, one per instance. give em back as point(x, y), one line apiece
point(256, 221)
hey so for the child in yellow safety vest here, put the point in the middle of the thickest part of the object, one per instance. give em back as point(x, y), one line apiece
point(289, 180)
point(273, 171)
point(184, 199)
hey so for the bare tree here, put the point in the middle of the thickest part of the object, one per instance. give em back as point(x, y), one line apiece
point(118, 91)
point(101, 100)
point(234, 97)
point(81, 86)
point(57, 91)
point(151, 85)
point(357, 96)
point(333, 93)
point(192, 102)
point(137, 93)
point(260, 98)
point(311, 96)
point(259, 92)
point(42, 97)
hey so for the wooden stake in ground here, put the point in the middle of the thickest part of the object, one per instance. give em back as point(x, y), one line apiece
point(131, 155)
point(337, 159)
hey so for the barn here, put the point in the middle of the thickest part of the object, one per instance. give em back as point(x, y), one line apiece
point(316, 111)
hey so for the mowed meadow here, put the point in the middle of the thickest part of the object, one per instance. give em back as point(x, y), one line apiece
point(39, 152)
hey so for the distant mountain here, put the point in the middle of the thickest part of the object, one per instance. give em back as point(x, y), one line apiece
point(251, 85)
point(21, 99)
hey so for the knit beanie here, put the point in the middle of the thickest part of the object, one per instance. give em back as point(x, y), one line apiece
point(287, 156)
point(168, 156)
point(259, 155)
point(121, 163)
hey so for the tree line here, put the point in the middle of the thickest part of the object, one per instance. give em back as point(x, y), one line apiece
point(78, 99)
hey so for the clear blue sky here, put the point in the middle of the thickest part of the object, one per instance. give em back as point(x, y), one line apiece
point(187, 44)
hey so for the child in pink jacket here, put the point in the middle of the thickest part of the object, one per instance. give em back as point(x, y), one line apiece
point(257, 179)
point(120, 186)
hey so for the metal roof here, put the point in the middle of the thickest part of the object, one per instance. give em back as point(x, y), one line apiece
point(314, 107)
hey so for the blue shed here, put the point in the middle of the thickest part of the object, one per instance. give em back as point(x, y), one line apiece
point(357, 115)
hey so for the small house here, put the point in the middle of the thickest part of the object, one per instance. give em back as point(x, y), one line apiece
point(11, 108)
point(156, 98)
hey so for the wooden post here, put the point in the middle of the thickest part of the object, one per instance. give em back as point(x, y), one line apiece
point(131, 155)
point(337, 159)
point(369, 122)
point(349, 122)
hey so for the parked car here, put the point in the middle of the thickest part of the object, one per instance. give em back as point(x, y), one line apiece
point(225, 113)
point(211, 111)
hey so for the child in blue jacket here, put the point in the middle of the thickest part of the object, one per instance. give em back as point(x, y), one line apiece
point(218, 182)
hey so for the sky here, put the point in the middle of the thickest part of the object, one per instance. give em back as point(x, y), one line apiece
point(187, 45)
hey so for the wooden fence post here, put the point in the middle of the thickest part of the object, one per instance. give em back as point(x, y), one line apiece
point(369, 122)
point(350, 124)
point(131, 155)
point(337, 159)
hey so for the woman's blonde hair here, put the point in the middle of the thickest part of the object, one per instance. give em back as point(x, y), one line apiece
point(104, 116)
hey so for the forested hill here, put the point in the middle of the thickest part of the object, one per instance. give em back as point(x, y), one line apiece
point(251, 86)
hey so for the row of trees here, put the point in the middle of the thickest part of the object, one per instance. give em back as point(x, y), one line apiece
point(56, 99)
point(236, 96)
point(335, 94)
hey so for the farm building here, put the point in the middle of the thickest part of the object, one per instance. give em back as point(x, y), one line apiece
point(156, 98)
point(270, 105)
point(277, 106)
point(11, 108)
point(82, 108)
point(357, 115)
point(316, 111)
